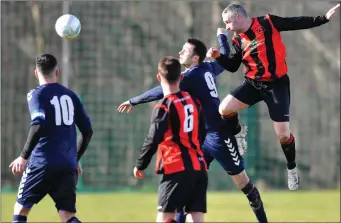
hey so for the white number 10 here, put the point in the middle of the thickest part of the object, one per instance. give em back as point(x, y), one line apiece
point(189, 119)
point(67, 109)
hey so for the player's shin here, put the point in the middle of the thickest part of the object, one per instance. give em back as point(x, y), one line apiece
point(19, 219)
point(180, 217)
point(255, 201)
point(232, 122)
point(290, 152)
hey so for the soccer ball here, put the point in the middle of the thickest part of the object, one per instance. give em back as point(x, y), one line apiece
point(68, 26)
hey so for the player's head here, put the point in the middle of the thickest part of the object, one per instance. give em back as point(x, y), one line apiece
point(235, 17)
point(193, 52)
point(169, 70)
point(46, 67)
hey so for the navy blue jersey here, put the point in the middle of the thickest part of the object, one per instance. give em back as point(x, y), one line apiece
point(57, 110)
point(200, 82)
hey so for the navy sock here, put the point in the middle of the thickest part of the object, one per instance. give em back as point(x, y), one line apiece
point(19, 218)
point(255, 201)
point(180, 217)
point(73, 220)
point(232, 122)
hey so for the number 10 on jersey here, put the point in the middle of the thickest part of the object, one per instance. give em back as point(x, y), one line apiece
point(64, 110)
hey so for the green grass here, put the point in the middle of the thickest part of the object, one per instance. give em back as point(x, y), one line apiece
point(319, 206)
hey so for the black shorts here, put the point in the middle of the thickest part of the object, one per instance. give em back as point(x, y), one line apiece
point(275, 94)
point(37, 182)
point(183, 191)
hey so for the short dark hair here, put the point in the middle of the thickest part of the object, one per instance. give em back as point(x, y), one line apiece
point(170, 68)
point(199, 49)
point(46, 63)
point(236, 9)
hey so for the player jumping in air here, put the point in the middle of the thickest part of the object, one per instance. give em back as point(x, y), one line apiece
point(175, 134)
point(258, 45)
point(220, 142)
point(51, 145)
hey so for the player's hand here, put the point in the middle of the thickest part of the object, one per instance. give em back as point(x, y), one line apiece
point(213, 53)
point(18, 166)
point(138, 173)
point(222, 31)
point(125, 106)
point(332, 11)
point(79, 169)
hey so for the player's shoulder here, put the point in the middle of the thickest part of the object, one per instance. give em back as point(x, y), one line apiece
point(34, 93)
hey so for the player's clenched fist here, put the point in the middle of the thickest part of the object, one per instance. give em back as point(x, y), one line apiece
point(213, 53)
point(138, 173)
point(222, 31)
point(125, 106)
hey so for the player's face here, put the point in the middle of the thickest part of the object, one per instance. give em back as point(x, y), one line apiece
point(232, 22)
point(186, 55)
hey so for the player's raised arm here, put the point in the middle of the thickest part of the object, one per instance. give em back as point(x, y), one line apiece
point(301, 22)
point(158, 127)
point(83, 123)
point(148, 96)
point(232, 61)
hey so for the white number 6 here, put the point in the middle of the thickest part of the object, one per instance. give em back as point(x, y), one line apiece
point(189, 119)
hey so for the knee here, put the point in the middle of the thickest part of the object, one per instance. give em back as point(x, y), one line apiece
point(241, 179)
point(20, 210)
point(283, 136)
point(224, 109)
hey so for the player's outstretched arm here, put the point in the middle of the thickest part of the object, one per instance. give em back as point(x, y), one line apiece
point(158, 127)
point(301, 22)
point(149, 96)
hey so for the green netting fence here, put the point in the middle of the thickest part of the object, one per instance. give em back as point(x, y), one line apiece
point(115, 58)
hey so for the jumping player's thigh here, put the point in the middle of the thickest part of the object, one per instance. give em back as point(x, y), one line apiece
point(63, 192)
point(197, 201)
point(34, 186)
point(173, 192)
point(240, 98)
point(224, 148)
point(278, 100)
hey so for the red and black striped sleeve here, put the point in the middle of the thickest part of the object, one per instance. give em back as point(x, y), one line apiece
point(157, 129)
point(297, 23)
point(232, 61)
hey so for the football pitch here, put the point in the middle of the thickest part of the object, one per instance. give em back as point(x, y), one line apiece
point(286, 206)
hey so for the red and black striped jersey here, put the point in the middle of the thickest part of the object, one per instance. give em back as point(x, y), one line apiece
point(174, 133)
point(261, 48)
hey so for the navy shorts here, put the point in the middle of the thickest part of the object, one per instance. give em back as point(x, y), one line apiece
point(275, 94)
point(37, 182)
point(223, 147)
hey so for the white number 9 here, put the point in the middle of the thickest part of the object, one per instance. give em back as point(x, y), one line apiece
point(211, 85)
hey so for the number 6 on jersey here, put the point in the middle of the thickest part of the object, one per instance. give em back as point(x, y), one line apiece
point(189, 119)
